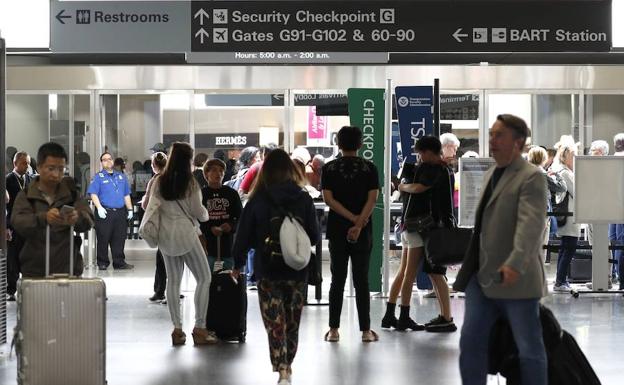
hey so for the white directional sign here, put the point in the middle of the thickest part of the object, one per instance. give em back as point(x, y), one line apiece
point(122, 26)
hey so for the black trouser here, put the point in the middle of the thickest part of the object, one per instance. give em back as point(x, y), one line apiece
point(14, 247)
point(160, 277)
point(111, 231)
point(340, 251)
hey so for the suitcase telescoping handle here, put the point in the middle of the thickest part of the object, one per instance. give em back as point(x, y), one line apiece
point(71, 251)
point(218, 247)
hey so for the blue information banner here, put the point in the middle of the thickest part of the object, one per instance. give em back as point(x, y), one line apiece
point(415, 112)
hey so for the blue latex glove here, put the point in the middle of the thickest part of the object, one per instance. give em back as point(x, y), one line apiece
point(101, 212)
point(130, 214)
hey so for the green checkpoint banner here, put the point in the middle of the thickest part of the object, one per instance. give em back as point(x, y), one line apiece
point(367, 111)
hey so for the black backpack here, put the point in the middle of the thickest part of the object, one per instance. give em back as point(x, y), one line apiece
point(272, 247)
point(561, 207)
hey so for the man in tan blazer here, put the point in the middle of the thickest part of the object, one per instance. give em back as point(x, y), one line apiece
point(503, 272)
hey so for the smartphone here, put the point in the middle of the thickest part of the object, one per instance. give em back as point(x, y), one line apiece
point(497, 277)
point(66, 209)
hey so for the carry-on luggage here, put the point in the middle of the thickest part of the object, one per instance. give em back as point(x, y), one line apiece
point(60, 337)
point(567, 365)
point(227, 309)
point(581, 266)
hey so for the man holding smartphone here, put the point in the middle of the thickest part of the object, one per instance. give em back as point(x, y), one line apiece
point(50, 200)
point(110, 194)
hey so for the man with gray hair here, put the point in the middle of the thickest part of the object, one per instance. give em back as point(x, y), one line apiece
point(450, 144)
point(599, 148)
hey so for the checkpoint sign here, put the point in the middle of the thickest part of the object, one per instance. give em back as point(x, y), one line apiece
point(401, 26)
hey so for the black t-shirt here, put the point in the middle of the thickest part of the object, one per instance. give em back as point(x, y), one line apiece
point(436, 201)
point(349, 178)
point(224, 206)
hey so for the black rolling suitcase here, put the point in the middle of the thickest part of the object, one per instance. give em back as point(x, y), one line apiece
point(581, 266)
point(567, 365)
point(227, 309)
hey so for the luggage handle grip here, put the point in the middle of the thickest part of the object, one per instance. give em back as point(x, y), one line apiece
point(71, 254)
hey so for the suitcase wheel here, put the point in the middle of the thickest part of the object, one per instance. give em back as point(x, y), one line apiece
point(241, 338)
point(575, 294)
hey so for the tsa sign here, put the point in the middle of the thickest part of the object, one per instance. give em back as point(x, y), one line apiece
point(414, 110)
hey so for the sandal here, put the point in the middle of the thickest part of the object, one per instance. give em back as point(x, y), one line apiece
point(370, 336)
point(332, 336)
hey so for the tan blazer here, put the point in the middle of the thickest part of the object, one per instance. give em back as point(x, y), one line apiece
point(511, 234)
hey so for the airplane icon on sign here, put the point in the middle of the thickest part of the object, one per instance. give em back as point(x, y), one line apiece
point(220, 35)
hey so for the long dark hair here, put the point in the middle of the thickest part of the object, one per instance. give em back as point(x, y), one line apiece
point(176, 179)
point(277, 168)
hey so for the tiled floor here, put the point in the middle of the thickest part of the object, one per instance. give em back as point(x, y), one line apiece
point(139, 350)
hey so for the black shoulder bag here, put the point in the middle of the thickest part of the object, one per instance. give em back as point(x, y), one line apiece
point(447, 246)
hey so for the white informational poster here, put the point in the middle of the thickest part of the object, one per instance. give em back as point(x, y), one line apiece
point(599, 189)
point(471, 174)
point(140, 180)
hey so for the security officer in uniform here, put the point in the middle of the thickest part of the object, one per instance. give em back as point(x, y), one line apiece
point(110, 194)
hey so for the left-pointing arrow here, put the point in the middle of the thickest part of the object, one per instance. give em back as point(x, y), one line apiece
point(202, 33)
point(60, 16)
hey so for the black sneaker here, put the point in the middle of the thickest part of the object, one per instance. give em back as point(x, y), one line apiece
point(126, 266)
point(440, 325)
point(404, 324)
point(157, 297)
point(435, 320)
point(102, 267)
point(389, 321)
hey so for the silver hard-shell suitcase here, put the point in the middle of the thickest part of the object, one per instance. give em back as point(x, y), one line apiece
point(60, 337)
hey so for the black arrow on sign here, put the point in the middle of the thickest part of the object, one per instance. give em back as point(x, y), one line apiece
point(60, 16)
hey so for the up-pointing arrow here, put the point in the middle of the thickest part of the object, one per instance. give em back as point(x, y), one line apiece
point(201, 14)
point(457, 35)
point(202, 33)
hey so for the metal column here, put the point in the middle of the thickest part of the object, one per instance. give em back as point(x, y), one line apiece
point(3, 242)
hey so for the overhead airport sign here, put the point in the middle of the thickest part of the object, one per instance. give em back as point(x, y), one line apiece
point(327, 31)
point(275, 29)
point(119, 26)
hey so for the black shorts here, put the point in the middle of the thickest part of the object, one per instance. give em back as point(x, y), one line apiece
point(428, 268)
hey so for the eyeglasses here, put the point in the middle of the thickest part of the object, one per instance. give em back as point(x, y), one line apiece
point(57, 169)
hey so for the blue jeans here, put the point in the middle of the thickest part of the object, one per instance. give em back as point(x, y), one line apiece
point(566, 252)
point(616, 235)
point(480, 315)
point(553, 227)
point(250, 266)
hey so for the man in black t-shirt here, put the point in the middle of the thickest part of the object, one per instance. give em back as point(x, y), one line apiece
point(224, 209)
point(350, 187)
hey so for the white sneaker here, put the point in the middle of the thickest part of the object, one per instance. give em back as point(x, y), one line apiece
point(564, 287)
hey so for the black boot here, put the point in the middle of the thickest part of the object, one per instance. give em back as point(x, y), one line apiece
point(389, 320)
point(405, 322)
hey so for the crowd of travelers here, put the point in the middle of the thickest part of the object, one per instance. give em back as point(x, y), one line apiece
point(213, 213)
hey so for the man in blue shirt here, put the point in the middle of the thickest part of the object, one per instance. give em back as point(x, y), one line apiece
point(110, 193)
